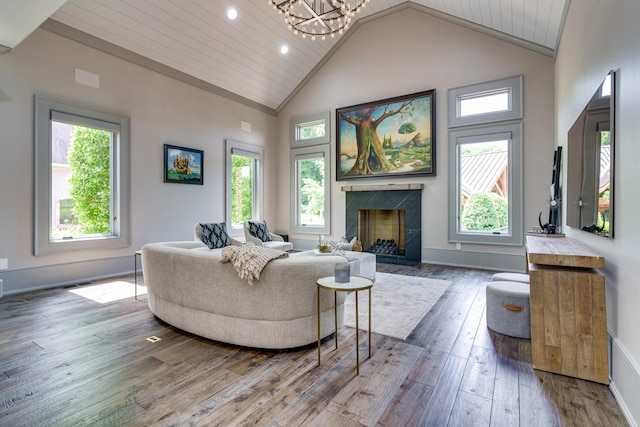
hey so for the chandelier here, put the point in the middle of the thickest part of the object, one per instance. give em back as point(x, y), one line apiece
point(318, 18)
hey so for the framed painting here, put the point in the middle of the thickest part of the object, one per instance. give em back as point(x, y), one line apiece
point(183, 165)
point(390, 137)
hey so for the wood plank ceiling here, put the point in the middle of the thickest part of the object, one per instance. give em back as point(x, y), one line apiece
point(242, 56)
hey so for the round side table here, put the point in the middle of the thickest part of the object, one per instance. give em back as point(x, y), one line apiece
point(356, 284)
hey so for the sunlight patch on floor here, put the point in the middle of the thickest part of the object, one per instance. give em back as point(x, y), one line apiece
point(108, 292)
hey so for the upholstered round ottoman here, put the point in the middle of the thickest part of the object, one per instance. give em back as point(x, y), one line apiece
point(511, 277)
point(508, 308)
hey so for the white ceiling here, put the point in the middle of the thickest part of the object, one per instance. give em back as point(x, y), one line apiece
point(242, 58)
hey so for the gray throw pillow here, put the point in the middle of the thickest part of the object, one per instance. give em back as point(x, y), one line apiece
point(260, 230)
point(215, 235)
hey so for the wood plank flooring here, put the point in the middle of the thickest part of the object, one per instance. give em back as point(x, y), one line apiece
point(66, 360)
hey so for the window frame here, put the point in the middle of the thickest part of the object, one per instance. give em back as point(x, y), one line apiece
point(303, 154)
point(257, 153)
point(512, 84)
point(297, 121)
point(486, 133)
point(45, 111)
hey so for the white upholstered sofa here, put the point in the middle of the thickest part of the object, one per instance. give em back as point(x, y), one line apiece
point(188, 287)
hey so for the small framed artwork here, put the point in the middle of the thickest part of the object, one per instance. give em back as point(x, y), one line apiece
point(390, 137)
point(183, 165)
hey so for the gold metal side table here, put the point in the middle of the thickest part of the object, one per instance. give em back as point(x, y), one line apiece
point(136, 254)
point(356, 284)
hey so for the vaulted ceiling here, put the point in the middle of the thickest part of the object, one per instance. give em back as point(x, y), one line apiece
point(241, 58)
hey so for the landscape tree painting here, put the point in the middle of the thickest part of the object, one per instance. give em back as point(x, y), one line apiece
point(390, 137)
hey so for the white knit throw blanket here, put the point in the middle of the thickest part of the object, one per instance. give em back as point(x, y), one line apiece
point(249, 259)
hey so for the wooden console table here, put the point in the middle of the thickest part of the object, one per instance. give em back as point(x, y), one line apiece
point(568, 309)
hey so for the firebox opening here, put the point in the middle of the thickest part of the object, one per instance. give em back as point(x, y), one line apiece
point(382, 231)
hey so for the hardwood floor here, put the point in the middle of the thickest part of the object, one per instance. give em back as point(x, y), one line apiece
point(67, 360)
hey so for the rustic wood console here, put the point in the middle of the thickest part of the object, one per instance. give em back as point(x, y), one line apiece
point(568, 310)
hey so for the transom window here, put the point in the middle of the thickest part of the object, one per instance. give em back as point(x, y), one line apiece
point(488, 102)
point(310, 129)
point(484, 103)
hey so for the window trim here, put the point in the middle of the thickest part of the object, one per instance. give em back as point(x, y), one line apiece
point(302, 154)
point(45, 110)
point(297, 121)
point(257, 153)
point(455, 95)
point(488, 133)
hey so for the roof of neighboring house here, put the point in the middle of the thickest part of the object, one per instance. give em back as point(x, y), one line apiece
point(480, 172)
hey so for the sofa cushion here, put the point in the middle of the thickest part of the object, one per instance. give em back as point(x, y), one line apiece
point(260, 230)
point(215, 235)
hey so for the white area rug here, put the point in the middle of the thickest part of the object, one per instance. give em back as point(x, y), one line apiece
point(398, 304)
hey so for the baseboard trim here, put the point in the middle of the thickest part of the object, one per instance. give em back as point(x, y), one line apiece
point(470, 259)
point(625, 381)
point(455, 258)
point(53, 276)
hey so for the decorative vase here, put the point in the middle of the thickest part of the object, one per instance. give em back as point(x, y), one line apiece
point(343, 273)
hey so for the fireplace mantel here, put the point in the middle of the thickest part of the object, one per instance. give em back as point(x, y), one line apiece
point(388, 187)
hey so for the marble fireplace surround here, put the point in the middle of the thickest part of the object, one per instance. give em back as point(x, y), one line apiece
point(407, 197)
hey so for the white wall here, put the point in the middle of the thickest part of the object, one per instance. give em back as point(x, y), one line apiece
point(598, 37)
point(410, 51)
point(162, 110)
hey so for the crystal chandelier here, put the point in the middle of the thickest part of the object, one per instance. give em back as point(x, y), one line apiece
point(318, 18)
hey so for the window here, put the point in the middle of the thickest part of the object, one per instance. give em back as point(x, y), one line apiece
point(485, 103)
point(489, 102)
point(309, 130)
point(244, 184)
point(82, 176)
point(310, 193)
point(485, 176)
point(310, 167)
point(485, 163)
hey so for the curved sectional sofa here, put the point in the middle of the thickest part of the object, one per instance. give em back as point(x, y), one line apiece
point(188, 287)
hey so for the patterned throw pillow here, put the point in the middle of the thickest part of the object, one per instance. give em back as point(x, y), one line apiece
point(260, 230)
point(215, 235)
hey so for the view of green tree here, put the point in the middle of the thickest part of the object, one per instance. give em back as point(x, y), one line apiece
point(311, 131)
point(312, 190)
point(90, 182)
point(241, 189)
point(484, 212)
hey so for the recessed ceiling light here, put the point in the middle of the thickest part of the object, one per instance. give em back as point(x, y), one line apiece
point(232, 13)
point(284, 49)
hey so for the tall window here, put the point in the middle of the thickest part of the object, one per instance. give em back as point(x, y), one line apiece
point(310, 167)
point(310, 195)
point(81, 176)
point(485, 164)
point(244, 173)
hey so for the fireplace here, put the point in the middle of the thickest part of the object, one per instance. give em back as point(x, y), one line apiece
point(382, 231)
point(387, 219)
